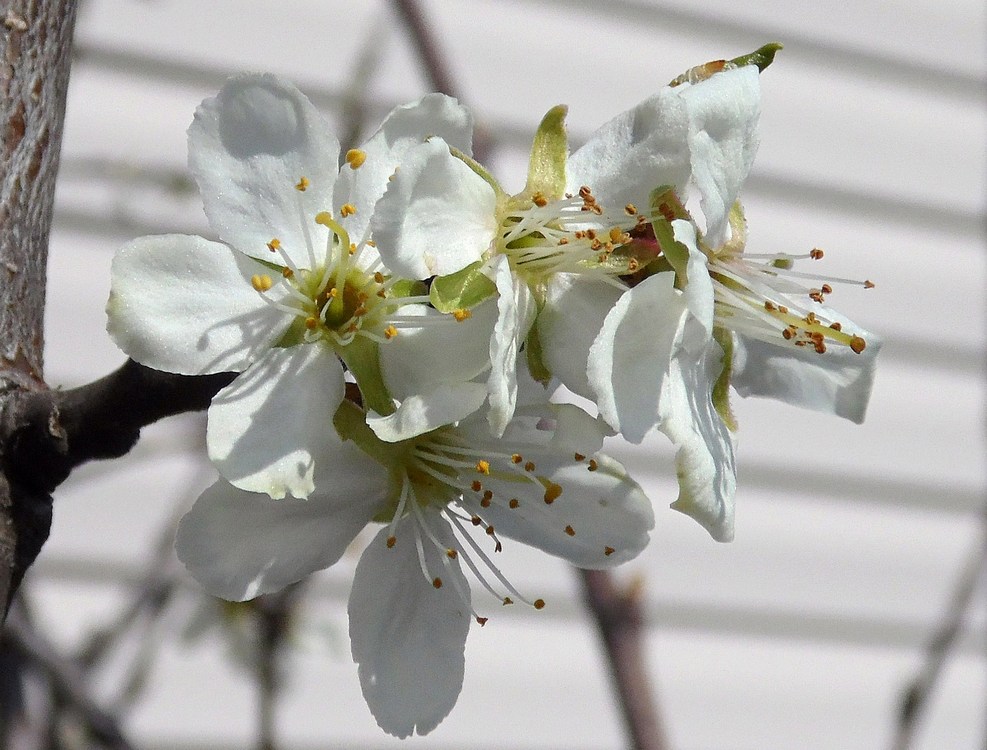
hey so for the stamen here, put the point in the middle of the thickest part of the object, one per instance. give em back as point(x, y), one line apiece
point(355, 158)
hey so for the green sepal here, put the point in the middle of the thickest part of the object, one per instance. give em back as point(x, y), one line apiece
point(721, 388)
point(664, 204)
point(549, 152)
point(350, 422)
point(762, 57)
point(533, 354)
point(408, 288)
point(362, 358)
point(461, 290)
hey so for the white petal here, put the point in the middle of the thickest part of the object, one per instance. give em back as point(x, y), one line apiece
point(419, 359)
point(266, 428)
point(405, 127)
point(183, 304)
point(607, 512)
point(425, 412)
point(437, 215)
point(575, 307)
point(836, 382)
point(515, 314)
point(629, 361)
point(406, 635)
point(723, 117)
point(248, 148)
point(698, 291)
point(634, 153)
point(239, 545)
point(704, 461)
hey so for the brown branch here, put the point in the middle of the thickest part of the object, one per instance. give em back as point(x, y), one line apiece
point(35, 44)
point(620, 621)
point(45, 434)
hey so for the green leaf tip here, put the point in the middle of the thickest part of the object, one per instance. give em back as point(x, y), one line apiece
point(762, 57)
point(549, 152)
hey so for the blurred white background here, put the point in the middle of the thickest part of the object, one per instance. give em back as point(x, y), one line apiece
point(850, 539)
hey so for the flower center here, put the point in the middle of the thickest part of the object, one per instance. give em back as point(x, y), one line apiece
point(344, 295)
point(574, 234)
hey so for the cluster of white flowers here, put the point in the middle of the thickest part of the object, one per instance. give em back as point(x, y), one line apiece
point(398, 323)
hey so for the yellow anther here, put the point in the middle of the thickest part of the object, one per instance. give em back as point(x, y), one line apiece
point(507, 600)
point(539, 604)
point(593, 465)
point(579, 456)
point(391, 541)
point(274, 245)
point(552, 493)
point(483, 466)
point(857, 344)
point(517, 458)
point(608, 551)
point(287, 273)
point(461, 314)
point(324, 218)
point(630, 209)
point(332, 293)
point(355, 158)
point(347, 209)
point(390, 332)
point(352, 248)
point(451, 553)
point(616, 235)
point(868, 284)
point(371, 243)
point(539, 199)
point(514, 503)
point(261, 282)
point(481, 620)
point(378, 277)
point(302, 185)
point(570, 531)
point(530, 466)
point(437, 582)
point(476, 486)
point(311, 323)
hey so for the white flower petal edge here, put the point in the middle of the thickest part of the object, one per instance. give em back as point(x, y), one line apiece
point(723, 116)
point(838, 382)
point(425, 412)
point(600, 519)
point(704, 460)
point(634, 153)
point(183, 304)
point(515, 314)
point(419, 230)
point(630, 359)
point(247, 146)
point(408, 636)
point(364, 180)
point(266, 428)
point(574, 311)
point(420, 359)
point(240, 545)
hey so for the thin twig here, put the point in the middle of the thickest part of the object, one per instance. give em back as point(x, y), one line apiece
point(67, 681)
point(439, 77)
point(916, 696)
point(274, 614)
point(620, 622)
point(354, 100)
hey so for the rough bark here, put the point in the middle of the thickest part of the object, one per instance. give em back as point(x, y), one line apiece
point(35, 45)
